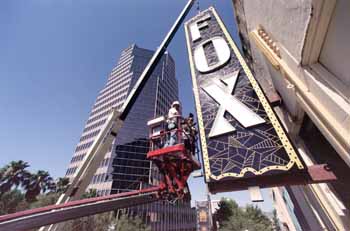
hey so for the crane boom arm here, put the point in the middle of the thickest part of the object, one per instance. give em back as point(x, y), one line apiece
point(35, 218)
point(94, 157)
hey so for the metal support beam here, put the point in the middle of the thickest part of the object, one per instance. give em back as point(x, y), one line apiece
point(312, 175)
point(147, 72)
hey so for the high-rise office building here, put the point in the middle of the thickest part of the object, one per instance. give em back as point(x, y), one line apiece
point(125, 166)
point(125, 162)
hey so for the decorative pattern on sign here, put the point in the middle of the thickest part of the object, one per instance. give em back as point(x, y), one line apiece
point(240, 134)
point(256, 148)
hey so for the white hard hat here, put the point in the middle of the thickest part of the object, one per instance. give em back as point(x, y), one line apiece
point(175, 103)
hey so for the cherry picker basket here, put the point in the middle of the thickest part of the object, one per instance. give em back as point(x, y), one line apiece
point(170, 151)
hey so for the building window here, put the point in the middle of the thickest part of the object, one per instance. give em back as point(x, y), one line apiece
point(335, 52)
point(321, 152)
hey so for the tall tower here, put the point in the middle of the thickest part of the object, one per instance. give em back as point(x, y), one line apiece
point(125, 165)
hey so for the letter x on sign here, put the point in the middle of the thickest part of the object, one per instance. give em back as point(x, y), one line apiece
point(220, 89)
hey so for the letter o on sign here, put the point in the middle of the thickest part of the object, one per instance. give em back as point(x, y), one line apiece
point(222, 51)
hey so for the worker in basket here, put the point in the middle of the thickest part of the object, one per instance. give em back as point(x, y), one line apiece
point(174, 115)
point(190, 133)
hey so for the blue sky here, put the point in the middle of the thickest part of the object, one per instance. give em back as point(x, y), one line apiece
point(55, 57)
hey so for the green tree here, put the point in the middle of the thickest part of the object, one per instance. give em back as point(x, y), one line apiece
point(45, 200)
point(84, 223)
point(103, 221)
point(233, 218)
point(256, 215)
point(39, 182)
point(33, 189)
point(125, 223)
point(242, 223)
point(12, 201)
point(13, 175)
point(2, 171)
point(62, 184)
point(227, 209)
point(98, 222)
point(90, 194)
point(275, 221)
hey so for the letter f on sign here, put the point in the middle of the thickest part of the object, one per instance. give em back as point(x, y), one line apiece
point(221, 91)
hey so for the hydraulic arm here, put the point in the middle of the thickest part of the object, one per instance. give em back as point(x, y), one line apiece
point(35, 218)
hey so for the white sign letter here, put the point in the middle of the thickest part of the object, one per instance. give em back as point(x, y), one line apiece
point(222, 51)
point(220, 90)
point(197, 25)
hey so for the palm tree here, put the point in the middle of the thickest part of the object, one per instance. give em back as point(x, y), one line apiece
point(13, 174)
point(2, 171)
point(39, 182)
point(62, 184)
point(90, 194)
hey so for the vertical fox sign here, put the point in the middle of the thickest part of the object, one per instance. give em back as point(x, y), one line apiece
point(243, 143)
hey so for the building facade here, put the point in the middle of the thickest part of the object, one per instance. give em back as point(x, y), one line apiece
point(205, 211)
point(203, 216)
point(125, 166)
point(298, 50)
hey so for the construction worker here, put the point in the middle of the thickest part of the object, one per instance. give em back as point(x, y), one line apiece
point(174, 115)
point(190, 131)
